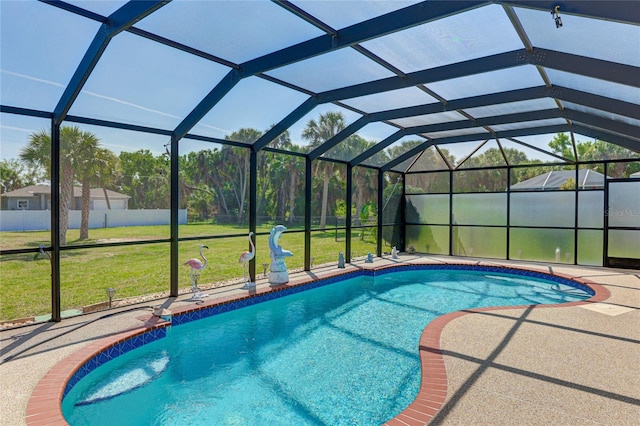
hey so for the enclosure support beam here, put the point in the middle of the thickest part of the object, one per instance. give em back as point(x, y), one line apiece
point(604, 103)
point(285, 123)
point(580, 65)
point(377, 147)
point(349, 195)
point(213, 97)
point(508, 224)
point(403, 213)
point(56, 315)
point(253, 206)
point(307, 214)
point(544, 114)
point(621, 11)
point(452, 220)
point(380, 207)
point(118, 21)
point(174, 217)
point(576, 216)
point(605, 223)
point(605, 135)
point(613, 126)
point(477, 136)
point(397, 20)
point(587, 99)
point(339, 137)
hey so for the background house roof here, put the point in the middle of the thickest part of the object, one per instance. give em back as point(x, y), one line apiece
point(557, 178)
point(35, 190)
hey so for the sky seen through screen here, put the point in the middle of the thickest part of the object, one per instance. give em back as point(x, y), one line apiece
point(140, 82)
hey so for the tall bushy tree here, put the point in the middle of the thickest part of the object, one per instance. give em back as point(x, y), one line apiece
point(430, 159)
point(197, 189)
point(295, 171)
point(561, 145)
point(364, 180)
point(596, 150)
point(217, 180)
point(235, 169)
point(221, 175)
point(15, 174)
point(146, 178)
point(390, 210)
point(396, 151)
point(365, 194)
point(318, 132)
point(272, 179)
point(279, 185)
point(493, 179)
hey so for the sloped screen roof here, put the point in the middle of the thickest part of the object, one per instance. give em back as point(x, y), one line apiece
point(437, 72)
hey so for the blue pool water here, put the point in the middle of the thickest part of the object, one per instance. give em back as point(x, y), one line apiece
point(341, 354)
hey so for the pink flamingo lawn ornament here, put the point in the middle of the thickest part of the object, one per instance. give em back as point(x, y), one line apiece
point(245, 258)
point(196, 266)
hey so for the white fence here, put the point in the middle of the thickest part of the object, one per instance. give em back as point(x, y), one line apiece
point(40, 220)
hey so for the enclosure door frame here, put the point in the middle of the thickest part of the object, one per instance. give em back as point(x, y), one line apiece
point(609, 210)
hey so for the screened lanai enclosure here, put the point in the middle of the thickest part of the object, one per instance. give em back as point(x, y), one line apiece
point(135, 132)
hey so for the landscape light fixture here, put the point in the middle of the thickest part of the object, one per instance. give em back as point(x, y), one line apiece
point(110, 293)
point(556, 16)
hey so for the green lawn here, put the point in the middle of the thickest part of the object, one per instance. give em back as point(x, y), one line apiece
point(136, 270)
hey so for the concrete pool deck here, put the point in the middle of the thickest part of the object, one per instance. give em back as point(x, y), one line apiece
point(557, 365)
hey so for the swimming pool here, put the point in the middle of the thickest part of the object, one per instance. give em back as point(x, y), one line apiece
point(344, 353)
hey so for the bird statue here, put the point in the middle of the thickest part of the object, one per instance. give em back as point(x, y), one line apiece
point(245, 258)
point(341, 260)
point(196, 267)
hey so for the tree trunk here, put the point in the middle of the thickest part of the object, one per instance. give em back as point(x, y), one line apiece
point(325, 198)
point(260, 203)
point(241, 190)
point(359, 206)
point(106, 197)
point(66, 195)
point(222, 203)
point(292, 195)
point(281, 206)
point(86, 204)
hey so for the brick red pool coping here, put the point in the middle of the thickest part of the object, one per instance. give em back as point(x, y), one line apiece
point(44, 406)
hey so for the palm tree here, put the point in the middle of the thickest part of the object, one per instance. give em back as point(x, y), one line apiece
point(327, 126)
point(365, 181)
point(38, 153)
point(277, 180)
point(365, 188)
point(235, 167)
point(76, 148)
point(285, 185)
point(209, 177)
point(105, 167)
point(293, 167)
point(98, 168)
point(85, 165)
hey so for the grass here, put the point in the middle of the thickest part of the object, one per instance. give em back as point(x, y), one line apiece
point(137, 270)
